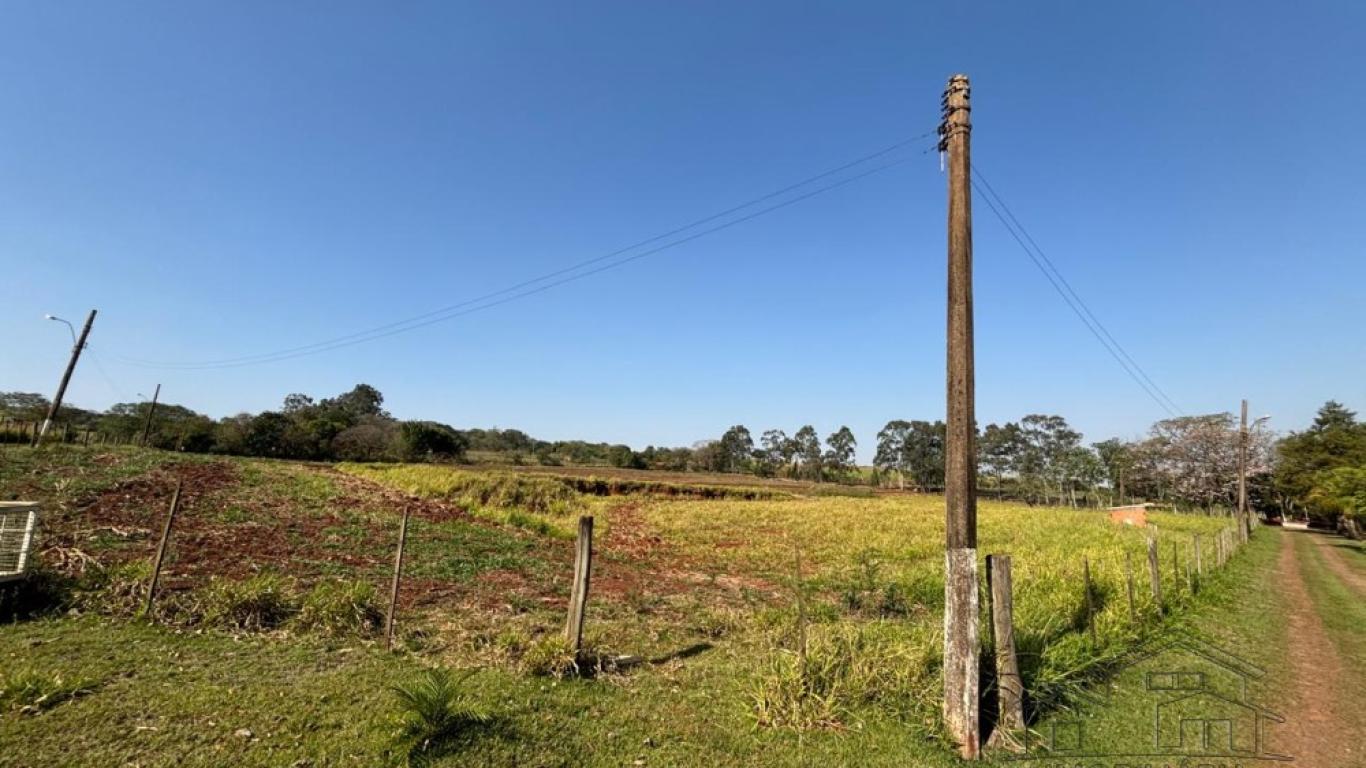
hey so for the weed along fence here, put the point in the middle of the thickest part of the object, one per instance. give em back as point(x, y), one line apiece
point(1170, 582)
point(18, 528)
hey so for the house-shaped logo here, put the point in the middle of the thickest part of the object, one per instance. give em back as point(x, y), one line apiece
point(1197, 696)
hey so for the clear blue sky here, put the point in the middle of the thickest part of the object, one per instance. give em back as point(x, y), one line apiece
point(231, 179)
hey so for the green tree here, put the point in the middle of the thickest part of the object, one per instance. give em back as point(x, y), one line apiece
point(1117, 457)
point(839, 454)
point(1335, 439)
point(806, 445)
point(429, 441)
point(733, 449)
point(913, 449)
point(999, 452)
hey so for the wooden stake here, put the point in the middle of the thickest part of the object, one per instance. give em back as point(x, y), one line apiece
point(1176, 569)
point(1155, 571)
point(1090, 598)
point(1199, 563)
point(398, 574)
point(961, 684)
point(578, 596)
point(161, 550)
point(1129, 582)
point(1009, 686)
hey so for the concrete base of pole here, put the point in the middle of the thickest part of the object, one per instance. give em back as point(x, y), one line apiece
point(962, 689)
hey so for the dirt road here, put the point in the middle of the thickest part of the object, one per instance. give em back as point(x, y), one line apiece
point(1319, 732)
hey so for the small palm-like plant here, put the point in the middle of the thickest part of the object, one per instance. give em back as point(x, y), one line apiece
point(433, 710)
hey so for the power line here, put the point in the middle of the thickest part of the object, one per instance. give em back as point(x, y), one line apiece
point(1068, 286)
point(1073, 301)
point(566, 274)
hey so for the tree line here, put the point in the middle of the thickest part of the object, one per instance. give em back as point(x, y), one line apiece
point(1190, 462)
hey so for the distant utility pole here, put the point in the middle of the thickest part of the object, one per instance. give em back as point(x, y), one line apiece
point(961, 686)
point(147, 428)
point(66, 378)
point(1243, 517)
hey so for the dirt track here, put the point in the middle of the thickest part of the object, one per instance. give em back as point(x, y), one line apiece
point(1316, 733)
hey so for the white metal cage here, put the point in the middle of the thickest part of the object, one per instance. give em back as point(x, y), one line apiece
point(18, 528)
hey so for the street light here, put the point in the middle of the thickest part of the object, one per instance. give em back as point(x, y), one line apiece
point(69, 326)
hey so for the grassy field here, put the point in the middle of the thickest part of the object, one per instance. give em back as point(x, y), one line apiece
point(710, 594)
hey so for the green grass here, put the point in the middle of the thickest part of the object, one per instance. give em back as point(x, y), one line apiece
point(702, 590)
point(1233, 611)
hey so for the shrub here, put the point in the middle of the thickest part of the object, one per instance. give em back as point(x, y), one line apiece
point(550, 655)
point(261, 602)
point(335, 608)
point(432, 711)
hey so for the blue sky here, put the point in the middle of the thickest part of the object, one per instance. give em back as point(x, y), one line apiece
point(232, 179)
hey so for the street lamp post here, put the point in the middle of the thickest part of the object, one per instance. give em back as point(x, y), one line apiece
point(77, 345)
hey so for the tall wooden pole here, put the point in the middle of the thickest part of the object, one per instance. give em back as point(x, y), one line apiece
point(961, 685)
point(1244, 527)
point(66, 379)
point(147, 428)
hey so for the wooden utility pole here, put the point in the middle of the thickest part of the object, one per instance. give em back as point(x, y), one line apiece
point(1244, 526)
point(66, 379)
point(147, 428)
point(961, 684)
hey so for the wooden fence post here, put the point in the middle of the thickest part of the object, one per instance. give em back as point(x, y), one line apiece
point(1129, 582)
point(1199, 563)
point(1155, 571)
point(398, 573)
point(1176, 568)
point(161, 550)
point(578, 596)
point(1009, 686)
point(1090, 598)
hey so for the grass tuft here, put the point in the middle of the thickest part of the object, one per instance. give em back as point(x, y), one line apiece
point(335, 608)
point(259, 603)
point(32, 692)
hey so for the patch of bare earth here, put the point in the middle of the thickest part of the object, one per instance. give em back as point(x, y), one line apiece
point(1314, 733)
